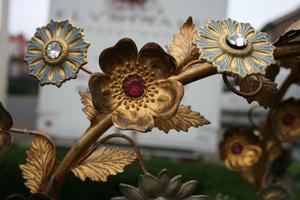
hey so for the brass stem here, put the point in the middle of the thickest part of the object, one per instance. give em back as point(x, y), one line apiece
point(79, 149)
point(86, 70)
point(195, 73)
point(33, 133)
point(240, 93)
point(193, 62)
point(130, 141)
point(250, 114)
point(287, 50)
point(285, 86)
point(267, 134)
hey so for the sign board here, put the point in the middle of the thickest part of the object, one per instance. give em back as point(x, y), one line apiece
point(107, 21)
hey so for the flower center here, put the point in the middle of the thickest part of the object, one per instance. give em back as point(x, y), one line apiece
point(237, 148)
point(236, 41)
point(288, 119)
point(134, 86)
point(53, 50)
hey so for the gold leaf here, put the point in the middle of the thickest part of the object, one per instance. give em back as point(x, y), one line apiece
point(183, 48)
point(182, 120)
point(89, 109)
point(266, 95)
point(102, 163)
point(39, 163)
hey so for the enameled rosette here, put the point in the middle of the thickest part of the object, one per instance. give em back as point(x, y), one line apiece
point(56, 52)
point(235, 47)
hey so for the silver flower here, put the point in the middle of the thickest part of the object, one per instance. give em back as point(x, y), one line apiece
point(161, 187)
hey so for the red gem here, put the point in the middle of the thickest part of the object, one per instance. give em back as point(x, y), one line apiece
point(236, 148)
point(134, 86)
point(288, 119)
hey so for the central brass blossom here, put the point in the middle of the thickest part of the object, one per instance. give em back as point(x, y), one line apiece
point(135, 86)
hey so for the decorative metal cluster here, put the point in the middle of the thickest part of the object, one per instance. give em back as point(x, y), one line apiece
point(139, 90)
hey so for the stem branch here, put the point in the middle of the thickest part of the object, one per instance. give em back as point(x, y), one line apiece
point(130, 141)
point(79, 149)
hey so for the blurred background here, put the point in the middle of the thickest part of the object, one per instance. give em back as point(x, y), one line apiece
point(58, 111)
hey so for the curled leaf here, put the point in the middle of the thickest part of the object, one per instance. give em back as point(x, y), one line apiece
point(5, 137)
point(272, 71)
point(290, 34)
point(265, 97)
point(89, 109)
point(5, 119)
point(182, 120)
point(39, 163)
point(5, 143)
point(35, 196)
point(102, 163)
point(183, 48)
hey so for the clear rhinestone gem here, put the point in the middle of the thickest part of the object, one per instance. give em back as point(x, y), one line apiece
point(237, 41)
point(53, 50)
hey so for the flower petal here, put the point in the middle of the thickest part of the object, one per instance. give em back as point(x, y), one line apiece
point(130, 192)
point(173, 188)
point(118, 198)
point(15, 197)
point(251, 155)
point(158, 61)
point(126, 119)
point(124, 51)
point(40, 196)
point(163, 180)
point(5, 119)
point(230, 25)
point(199, 197)
point(165, 103)
point(149, 186)
point(101, 94)
point(186, 190)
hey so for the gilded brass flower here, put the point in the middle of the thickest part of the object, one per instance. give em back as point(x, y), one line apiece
point(5, 137)
point(287, 119)
point(135, 86)
point(160, 188)
point(240, 150)
point(56, 52)
point(235, 47)
point(273, 192)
